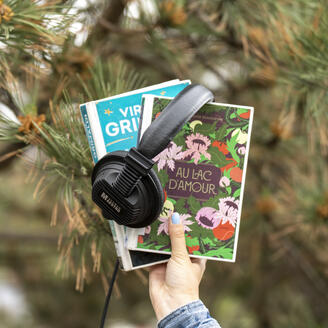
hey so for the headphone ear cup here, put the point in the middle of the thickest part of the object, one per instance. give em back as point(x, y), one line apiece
point(116, 157)
point(140, 208)
point(157, 189)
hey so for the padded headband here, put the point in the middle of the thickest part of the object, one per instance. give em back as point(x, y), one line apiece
point(173, 117)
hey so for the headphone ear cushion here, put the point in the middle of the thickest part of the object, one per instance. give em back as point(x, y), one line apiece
point(152, 199)
point(115, 156)
point(158, 189)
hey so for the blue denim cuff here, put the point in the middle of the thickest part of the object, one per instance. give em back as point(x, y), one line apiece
point(191, 315)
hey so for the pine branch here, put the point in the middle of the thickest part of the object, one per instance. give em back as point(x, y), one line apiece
point(32, 27)
point(7, 99)
point(9, 154)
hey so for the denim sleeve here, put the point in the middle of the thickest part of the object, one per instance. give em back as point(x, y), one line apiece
point(191, 315)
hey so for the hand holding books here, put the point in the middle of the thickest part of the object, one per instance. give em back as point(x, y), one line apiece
point(176, 283)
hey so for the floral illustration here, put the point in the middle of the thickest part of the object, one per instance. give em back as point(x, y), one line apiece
point(224, 182)
point(221, 146)
point(242, 136)
point(229, 166)
point(242, 150)
point(228, 210)
point(194, 123)
point(245, 115)
point(168, 208)
point(197, 145)
point(236, 174)
point(224, 231)
point(208, 217)
point(168, 155)
point(209, 153)
point(164, 226)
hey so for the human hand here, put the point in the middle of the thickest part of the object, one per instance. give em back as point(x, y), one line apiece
point(176, 283)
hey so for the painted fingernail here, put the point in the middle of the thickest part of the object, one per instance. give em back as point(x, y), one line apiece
point(175, 218)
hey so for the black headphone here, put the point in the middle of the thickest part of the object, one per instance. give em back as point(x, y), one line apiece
point(124, 185)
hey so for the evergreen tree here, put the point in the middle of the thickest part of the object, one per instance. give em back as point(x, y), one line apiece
point(270, 54)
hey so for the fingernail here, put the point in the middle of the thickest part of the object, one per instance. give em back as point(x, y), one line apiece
point(175, 218)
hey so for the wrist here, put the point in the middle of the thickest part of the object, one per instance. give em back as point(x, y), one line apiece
point(165, 305)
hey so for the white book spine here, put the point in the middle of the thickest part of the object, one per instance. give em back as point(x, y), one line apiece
point(96, 130)
point(88, 132)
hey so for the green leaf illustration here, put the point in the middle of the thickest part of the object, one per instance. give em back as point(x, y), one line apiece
point(222, 194)
point(163, 176)
point(222, 252)
point(242, 111)
point(180, 206)
point(194, 204)
point(221, 133)
point(186, 128)
point(217, 157)
point(192, 241)
point(231, 147)
point(180, 139)
point(208, 241)
point(236, 193)
point(201, 245)
point(163, 239)
point(203, 159)
point(211, 202)
point(173, 201)
point(205, 129)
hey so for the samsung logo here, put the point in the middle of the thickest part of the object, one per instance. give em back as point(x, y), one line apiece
point(110, 202)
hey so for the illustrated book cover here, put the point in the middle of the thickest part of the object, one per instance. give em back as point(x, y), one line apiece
point(203, 173)
point(113, 124)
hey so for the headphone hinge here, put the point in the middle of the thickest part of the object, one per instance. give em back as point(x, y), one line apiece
point(137, 166)
point(138, 161)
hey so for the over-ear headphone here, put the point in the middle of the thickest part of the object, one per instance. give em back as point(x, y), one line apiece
point(124, 185)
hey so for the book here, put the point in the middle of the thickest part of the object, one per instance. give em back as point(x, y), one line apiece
point(203, 173)
point(113, 124)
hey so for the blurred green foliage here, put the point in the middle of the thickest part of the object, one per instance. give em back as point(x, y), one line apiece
point(268, 54)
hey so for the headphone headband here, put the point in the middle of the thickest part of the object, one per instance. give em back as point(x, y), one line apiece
point(174, 116)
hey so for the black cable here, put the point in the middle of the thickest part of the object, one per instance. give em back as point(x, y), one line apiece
point(104, 313)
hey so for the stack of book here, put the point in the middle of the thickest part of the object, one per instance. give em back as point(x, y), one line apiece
point(202, 171)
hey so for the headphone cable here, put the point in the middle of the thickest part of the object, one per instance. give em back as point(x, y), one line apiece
point(104, 313)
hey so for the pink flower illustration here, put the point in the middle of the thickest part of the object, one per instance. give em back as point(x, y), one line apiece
point(197, 145)
point(242, 150)
point(167, 157)
point(208, 217)
point(228, 210)
point(164, 226)
point(224, 182)
point(148, 230)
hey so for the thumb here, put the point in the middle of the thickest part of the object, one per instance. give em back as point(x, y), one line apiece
point(178, 241)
